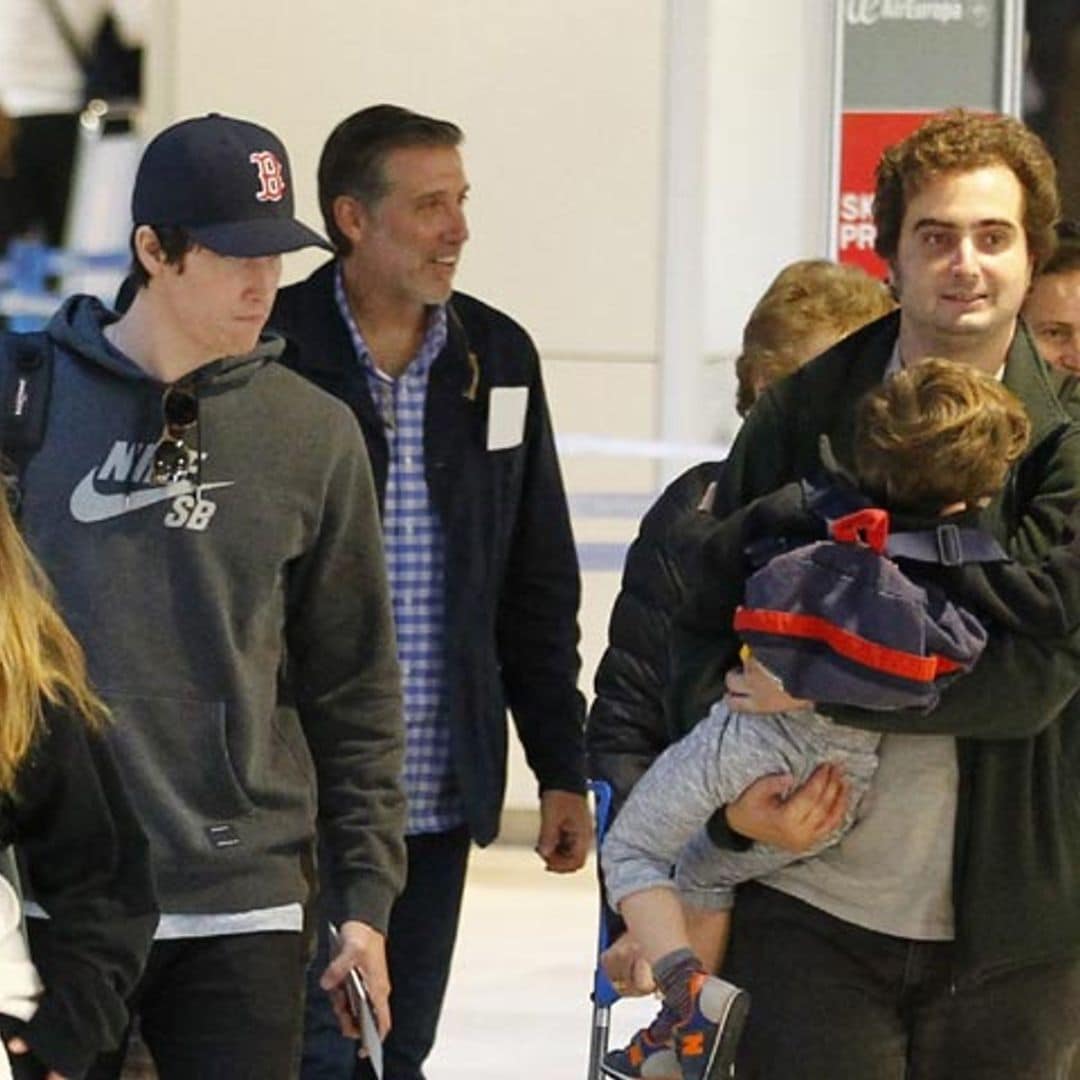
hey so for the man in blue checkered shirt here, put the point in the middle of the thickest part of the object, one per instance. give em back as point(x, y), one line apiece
point(482, 566)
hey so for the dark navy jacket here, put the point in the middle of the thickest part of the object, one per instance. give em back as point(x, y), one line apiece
point(512, 581)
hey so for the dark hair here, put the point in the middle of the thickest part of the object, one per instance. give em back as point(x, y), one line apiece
point(175, 243)
point(352, 160)
point(936, 433)
point(1066, 258)
point(959, 141)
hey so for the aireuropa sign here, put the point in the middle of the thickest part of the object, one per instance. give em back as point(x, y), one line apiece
point(869, 12)
point(897, 62)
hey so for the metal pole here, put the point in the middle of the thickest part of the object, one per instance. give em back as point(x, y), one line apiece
point(831, 246)
point(1012, 56)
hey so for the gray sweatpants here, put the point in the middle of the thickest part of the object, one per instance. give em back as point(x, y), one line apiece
point(661, 825)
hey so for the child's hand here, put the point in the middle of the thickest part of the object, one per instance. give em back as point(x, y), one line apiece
point(753, 689)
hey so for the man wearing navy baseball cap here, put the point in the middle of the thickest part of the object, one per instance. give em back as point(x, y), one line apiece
point(227, 183)
point(209, 521)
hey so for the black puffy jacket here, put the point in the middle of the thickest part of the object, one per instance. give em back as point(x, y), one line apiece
point(628, 727)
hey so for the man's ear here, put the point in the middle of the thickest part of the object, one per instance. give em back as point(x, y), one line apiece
point(892, 280)
point(351, 217)
point(148, 250)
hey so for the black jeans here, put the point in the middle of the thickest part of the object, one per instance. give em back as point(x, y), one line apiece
point(832, 1001)
point(219, 1008)
point(36, 197)
point(420, 945)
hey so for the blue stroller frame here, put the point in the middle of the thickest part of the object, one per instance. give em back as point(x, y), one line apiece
point(604, 995)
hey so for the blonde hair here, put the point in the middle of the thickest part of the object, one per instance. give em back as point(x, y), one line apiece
point(40, 660)
point(937, 433)
point(805, 300)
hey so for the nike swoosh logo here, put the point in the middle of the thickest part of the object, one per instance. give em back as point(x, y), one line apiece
point(89, 505)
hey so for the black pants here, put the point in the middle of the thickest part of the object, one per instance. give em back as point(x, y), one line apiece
point(35, 199)
point(420, 945)
point(832, 1001)
point(219, 1008)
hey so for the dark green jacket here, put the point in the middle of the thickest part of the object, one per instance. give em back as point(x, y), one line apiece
point(1016, 717)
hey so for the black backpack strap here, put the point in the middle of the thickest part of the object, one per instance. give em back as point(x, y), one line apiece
point(26, 361)
point(949, 545)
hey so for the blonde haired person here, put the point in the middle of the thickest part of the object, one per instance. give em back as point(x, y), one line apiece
point(809, 306)
point(82, 854)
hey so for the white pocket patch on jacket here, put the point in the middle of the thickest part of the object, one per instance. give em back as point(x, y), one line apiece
point(506, 416)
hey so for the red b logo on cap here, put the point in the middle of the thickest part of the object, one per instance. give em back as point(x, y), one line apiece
point(271, 176)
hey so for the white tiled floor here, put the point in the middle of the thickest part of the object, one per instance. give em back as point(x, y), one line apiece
point(518, 1002)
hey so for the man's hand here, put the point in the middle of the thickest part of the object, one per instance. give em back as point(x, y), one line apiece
point(362, 948)
point(771, 813)
point(18, 1046)
point(566, 830)
point(627, 969)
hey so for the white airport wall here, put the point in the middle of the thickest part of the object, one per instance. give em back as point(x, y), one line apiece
point(767, 162)
point(565, 105)
point(560, 103)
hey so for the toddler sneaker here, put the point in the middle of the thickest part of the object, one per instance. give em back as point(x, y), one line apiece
point(705, 1042)
point(650, 1054)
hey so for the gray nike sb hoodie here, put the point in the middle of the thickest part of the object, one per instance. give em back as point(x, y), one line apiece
point(237, 624)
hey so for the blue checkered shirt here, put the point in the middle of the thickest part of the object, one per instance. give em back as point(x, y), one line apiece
point(415, 557)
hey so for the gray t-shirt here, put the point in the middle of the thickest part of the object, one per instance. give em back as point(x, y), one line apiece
point(893, 871)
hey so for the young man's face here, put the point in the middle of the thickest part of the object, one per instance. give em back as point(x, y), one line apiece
point(412, 238)
point(962, 265)
point(218, 304)
point(1052, 311)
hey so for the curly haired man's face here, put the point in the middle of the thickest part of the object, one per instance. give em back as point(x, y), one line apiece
point(962, 265)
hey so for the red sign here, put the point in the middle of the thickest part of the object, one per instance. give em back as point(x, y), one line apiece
point(863, 137)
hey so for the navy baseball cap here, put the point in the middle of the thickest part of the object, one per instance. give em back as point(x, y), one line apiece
point(227, 182)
